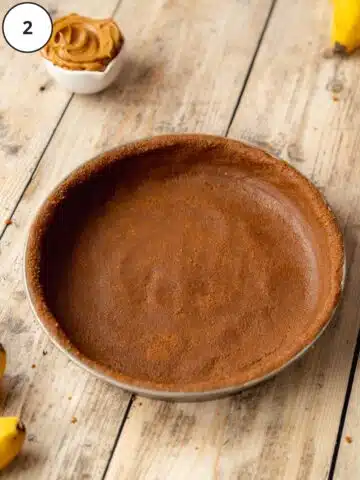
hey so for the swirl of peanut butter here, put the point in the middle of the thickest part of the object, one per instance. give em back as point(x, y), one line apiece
point(83, 43)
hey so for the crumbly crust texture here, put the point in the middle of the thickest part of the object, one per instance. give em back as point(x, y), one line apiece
point(185, 263)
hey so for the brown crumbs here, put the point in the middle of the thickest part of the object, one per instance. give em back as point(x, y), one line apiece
point(348, 439)
point(73, 420)
point(8, 221)
point(33, 365)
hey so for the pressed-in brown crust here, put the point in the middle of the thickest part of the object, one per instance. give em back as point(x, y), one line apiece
point(185, 263)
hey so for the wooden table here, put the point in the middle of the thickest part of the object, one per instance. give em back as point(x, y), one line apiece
point(254, 70)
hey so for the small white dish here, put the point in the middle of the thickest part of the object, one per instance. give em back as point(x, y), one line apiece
point(85, 81)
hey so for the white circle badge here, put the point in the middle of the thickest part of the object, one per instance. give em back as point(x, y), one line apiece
point(27, 27)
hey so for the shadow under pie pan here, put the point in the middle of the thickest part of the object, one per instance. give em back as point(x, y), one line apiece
point(184, 267)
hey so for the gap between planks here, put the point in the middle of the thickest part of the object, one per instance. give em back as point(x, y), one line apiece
point(350, 384)
point(251, 66)
point(121, 427)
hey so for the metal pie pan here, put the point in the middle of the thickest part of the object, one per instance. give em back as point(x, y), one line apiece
point(178, 396)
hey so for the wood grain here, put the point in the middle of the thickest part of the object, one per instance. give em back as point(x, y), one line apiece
point(302, 105)
point(30, 107)
point(348, 463)
point(185, 68)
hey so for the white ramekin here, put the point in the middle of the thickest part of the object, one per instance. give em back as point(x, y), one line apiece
point(85, 81)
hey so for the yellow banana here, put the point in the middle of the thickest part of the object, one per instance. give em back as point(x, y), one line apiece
point(12, 436)
point(2, 360)
point(346, 25)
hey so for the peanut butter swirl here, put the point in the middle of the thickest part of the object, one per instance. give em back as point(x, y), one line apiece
point(83, 43)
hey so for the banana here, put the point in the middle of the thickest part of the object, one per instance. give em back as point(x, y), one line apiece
point(12, 436)
point(2, 360)
point(346, 25)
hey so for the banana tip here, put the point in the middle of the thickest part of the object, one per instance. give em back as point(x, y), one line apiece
point(340, 49)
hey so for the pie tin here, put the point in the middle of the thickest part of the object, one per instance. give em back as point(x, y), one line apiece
point(179, 396)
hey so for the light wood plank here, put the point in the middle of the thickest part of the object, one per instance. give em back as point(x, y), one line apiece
point(186, 65)
point(286, 428)
point(31, 105)
point(348, 462)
